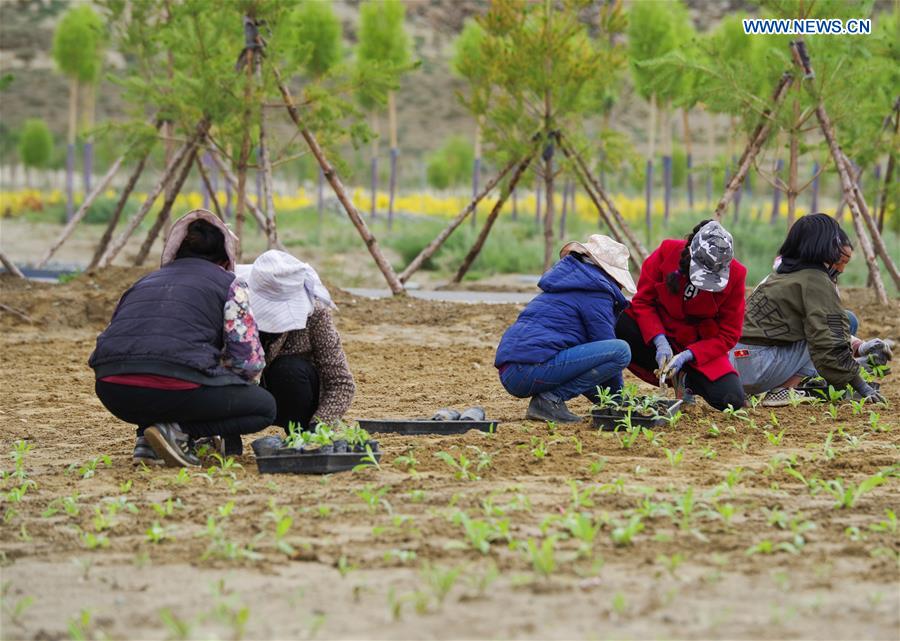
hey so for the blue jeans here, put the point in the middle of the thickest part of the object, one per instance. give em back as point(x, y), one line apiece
point(572, 372)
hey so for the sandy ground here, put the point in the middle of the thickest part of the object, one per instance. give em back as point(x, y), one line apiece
point(356, 572)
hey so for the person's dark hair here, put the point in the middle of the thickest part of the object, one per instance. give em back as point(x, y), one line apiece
point(816, 239)
point(684, 264)
point(204, 241)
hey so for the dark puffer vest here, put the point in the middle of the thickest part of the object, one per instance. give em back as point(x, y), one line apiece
point(170, 323)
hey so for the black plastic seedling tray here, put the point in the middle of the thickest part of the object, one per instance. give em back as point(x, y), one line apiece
point(607, 418)
point(289, 461)
point(424, 426)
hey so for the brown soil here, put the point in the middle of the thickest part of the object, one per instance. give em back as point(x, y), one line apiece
point(356, 573)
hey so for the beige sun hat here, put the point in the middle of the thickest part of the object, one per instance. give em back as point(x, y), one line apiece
point(607, 254)
point(283, 291)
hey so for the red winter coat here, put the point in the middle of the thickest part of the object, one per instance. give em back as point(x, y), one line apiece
point(709, 324)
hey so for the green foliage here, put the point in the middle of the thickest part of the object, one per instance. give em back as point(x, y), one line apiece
point(318, 36)
point(451, 165)
point(35, 143)
point(655, 27)
point(381, 33)
point(78, 43)
point(469, 62)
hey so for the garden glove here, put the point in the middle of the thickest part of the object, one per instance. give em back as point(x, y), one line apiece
point(663, 351)
point(675, 364)
point(877, 349)
point(867, 392)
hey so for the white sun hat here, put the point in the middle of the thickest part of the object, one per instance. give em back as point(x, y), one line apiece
point(607, 254)
point(283, 291)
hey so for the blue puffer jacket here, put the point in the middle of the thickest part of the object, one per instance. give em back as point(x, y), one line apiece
point(579, 304)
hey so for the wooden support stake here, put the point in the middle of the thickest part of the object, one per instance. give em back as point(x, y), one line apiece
point(198, 161)
point(638, 249)
point(331, 175)
point(11, 266)
point(166, 210)
point(757, 139)
point(116, 246)
point(117, 213)
point(268, 189)
point(851, 192)
point(82, 211)
point(489, 222)
point(435, 244)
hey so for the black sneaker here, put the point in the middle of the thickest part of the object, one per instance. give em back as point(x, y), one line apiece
point(144, 454)
point(172, 445)
point(545, 408)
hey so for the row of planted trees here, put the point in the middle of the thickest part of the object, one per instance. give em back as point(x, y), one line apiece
point(543, 79)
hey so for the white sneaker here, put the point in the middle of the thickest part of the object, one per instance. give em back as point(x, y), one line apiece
point(782, 396)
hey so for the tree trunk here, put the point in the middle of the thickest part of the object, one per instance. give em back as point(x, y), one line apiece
point(567, 187)
point(392, 126)
point(244, 156)
point(711, 155)
point(320, 195)
point(667, 161)
point(814, 189)
point(537, 201)
point(793, 168)
point(82, 211)
point(230, 179)
point(393, 282)
point(435, 244)
point(515, 205)
point(476, 166)
point(166, 210)
point(87, 125)
point(776, 193)
point(10, 266)
point(648, 174)
point(489, 222)
point(889, 171)
point(756, 141)
point(268, 201)
point(117, 213)
point(689, 153)
point(70, 148)
point(374, 165)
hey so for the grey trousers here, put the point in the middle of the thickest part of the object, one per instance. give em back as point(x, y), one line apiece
point(765, 367)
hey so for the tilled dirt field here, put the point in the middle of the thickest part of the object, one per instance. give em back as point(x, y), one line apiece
point(734, 531)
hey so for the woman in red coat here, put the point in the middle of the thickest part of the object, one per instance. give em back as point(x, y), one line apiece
point(687, 314)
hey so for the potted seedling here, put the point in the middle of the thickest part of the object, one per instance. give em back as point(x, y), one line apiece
point(612, 408)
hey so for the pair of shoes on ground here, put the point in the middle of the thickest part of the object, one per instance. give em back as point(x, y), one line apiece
point(167, 444)
point(449, 414)
point(547, 407)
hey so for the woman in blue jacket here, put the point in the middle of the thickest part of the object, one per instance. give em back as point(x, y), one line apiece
point(564, 344)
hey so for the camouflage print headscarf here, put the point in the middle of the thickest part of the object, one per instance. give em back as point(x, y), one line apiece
point(712, 250)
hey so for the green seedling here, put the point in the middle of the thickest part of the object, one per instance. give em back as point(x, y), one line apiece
point(13, 610)
point(714, 431)
point(89, 469)
point(551, 428)
point(857, 407)
point(369, 461)
point(543, 556)
point(581, 497)
point(846, 495)
point(671, 563)
point(763, 547)
point(459, 466)
point(673, 420)
point(739, 414)
point(374, 498)
point(726, 511)
point(684, 505)
point(795, 399)
point(440, 580)
point(775, 439)
point(887, 525)
point(623, 533)
point(167, 508)
point(596, 466)
point(831, 412)
point(583, 527)
point(281, 517)
point(485, 459)
point(675, 457)
point(708, 452)
point(220, 547)
point(408, 462)
point(156, 533)
point(68, 504)
point(417, 496)
point(80, 627)
point(828, 452)
point(605, 398)
point(178, 628)
point(17, 493)
point(481, 581)
point(875, 423)
point(628, 434)
point(20, 451)
point(652, 437)
point(579, 447)
point(92, 541)
point(755, 400)
point(539, 448)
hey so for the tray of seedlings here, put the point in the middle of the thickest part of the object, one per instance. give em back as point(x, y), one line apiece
point(325, 450)
point(624, 410)
point(444, 421)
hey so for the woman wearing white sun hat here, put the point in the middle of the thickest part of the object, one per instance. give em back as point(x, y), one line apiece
point(306, 368)
point(563, 344)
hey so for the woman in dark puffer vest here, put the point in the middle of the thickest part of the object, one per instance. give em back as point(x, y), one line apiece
point(181, 355)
